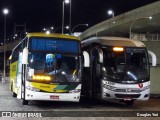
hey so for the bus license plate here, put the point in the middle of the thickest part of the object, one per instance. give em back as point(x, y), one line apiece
point(54, 97)
point(127, 99)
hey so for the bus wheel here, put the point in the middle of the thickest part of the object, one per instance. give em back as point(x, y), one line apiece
point(129, 103)
point(14, 94)
point(24, 102)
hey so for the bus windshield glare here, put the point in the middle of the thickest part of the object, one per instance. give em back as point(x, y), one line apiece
point(128, 66)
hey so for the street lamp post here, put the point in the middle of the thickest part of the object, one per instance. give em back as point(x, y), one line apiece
point(130, 28)
point(5, 12)
point(63, 18)
point(70, 17)
point(67, 27)
point(110, 12)
point(67, 2)
point(77, 26)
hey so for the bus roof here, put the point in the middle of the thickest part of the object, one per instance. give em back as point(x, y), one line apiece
point(52, 35)
point(114, 41)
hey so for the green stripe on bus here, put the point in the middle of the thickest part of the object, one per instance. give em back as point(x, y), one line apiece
point(71, 87)
point(61, 87)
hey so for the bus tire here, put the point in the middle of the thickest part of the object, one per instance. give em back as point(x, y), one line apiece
point(13, 93)
point(24, 102)
point(129, 103)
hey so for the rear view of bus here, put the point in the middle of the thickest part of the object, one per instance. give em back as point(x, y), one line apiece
point(120, 69)
point(47, 68)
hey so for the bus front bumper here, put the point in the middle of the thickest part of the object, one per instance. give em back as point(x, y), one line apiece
point(71, 97)
point(109, 94)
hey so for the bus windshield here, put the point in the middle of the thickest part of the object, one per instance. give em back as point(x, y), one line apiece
point(53, 60)
point(129, 65)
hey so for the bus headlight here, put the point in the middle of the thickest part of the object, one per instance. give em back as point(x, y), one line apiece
point(33, 89)
point(109, 87)
point(146, 88)
point(75, 91)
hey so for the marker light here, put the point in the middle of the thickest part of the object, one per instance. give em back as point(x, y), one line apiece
point(118, 49)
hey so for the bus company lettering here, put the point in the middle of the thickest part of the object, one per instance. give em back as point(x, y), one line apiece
point(45, 86)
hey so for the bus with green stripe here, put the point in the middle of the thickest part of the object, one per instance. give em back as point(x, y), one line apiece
point(46, 67)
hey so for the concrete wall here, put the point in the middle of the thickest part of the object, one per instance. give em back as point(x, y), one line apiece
point(155, 80)
point(154, 46)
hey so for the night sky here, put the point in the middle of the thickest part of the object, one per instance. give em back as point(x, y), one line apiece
point(38, 14)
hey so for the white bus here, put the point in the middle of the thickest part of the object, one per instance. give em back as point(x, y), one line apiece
point(46, 67)
point(119, 69)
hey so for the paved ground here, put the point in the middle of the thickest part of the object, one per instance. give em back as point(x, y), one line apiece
point(100, 110)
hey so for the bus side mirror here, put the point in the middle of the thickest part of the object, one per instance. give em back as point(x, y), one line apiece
point(100, 52)
point(154, 58)
point(86, 59)
point(25, 56)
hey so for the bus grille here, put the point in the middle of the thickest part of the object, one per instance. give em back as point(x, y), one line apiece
point(127, 90)
point(127, 95)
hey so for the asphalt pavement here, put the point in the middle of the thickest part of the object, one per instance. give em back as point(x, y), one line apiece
point(85, 109)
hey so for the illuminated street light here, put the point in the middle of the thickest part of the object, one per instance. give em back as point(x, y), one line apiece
point(110, 12)
point(48, 32)
point(66, 1)
point(16, 35)
point(52, 28)
point(67, 27)
point(77, 26)
point(48, 29)
point(5, 12)
point(130, 29)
